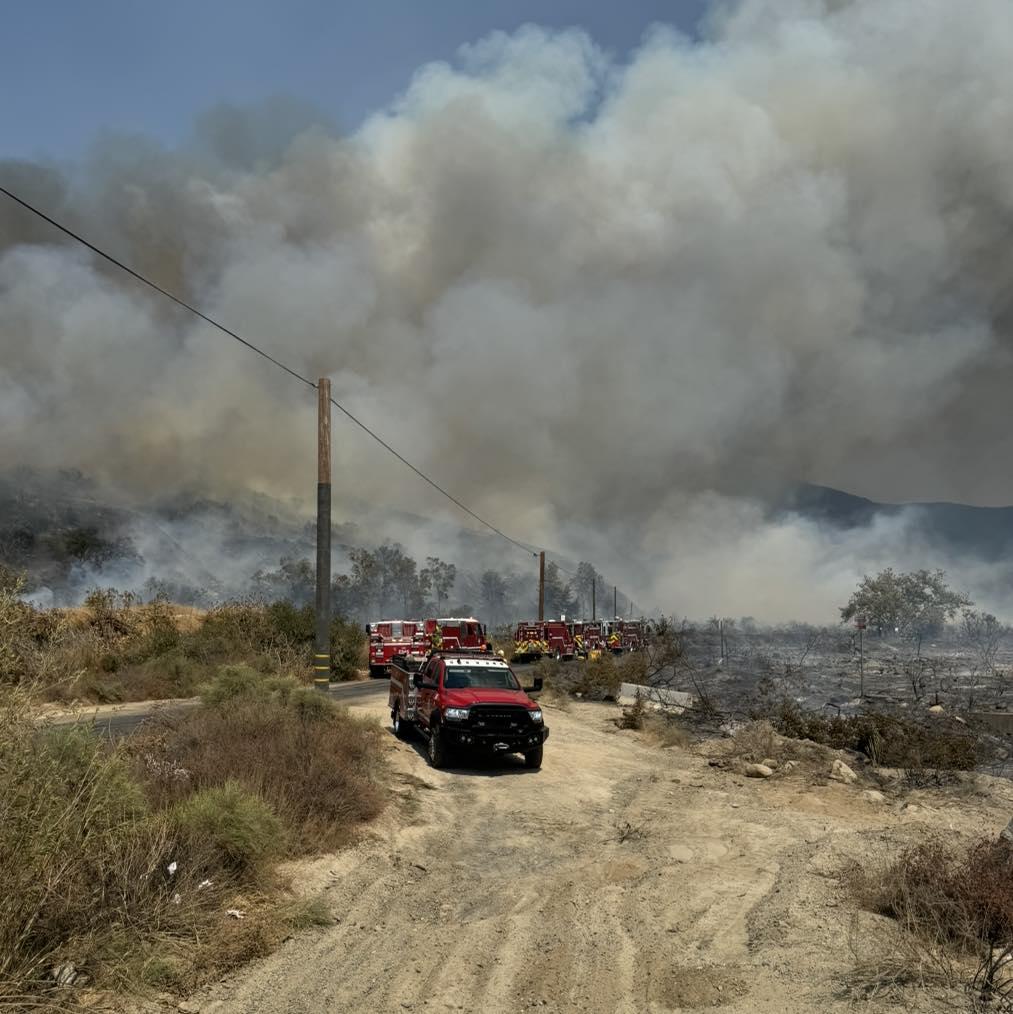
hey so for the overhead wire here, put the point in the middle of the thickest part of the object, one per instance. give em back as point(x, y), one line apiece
point(154, 285)
point(98, 251)
point(266, 355)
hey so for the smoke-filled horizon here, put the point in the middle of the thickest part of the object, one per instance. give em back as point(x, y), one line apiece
point(604, 303)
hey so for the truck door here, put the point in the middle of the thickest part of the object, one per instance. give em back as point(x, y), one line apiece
point(429, 694)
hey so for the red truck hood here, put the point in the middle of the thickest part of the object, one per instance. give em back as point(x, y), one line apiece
point(466, 698)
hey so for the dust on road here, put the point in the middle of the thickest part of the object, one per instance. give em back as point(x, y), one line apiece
point(622, 877)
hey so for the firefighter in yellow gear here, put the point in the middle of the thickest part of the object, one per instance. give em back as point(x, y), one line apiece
point(436, 639)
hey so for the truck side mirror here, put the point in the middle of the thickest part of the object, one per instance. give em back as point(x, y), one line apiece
point(535, 687)
point(417, 681)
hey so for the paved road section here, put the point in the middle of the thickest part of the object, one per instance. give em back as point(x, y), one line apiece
point(122, 723)
point(122, 720)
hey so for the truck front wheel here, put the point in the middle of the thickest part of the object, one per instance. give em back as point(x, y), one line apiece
point(402, 729)
point(533, 758)
point(437, 748)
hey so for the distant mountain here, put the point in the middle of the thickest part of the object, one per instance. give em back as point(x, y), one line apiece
point(68, 534)
point(958, 529)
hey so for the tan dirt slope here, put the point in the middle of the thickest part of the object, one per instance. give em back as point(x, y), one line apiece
point(622, 877)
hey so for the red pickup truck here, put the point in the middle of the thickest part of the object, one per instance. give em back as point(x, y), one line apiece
point(467, 702)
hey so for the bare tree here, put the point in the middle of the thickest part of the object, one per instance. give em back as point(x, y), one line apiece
point(985, 634)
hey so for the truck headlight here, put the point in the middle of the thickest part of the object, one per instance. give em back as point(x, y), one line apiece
point(456, 714)
point(536, 715)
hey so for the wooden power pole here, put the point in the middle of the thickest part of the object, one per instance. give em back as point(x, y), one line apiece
point(322, 657)
point(594, 611)
point(615, 602)
point(541, 586)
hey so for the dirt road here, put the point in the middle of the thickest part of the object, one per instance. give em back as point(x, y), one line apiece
point(622, 877)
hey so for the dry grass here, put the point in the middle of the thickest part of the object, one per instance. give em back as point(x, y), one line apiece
point(953, 905)
point(959, 894)
point(887, 740)
point(891, 964)
point(114, 649)
point(124, 861)
point(667, 732)
point(319, 768)
point(592, 679)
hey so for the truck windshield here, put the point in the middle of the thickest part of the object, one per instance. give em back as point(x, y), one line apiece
point(488, 677)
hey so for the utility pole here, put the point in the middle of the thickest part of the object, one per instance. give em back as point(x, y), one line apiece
point(861, 663)
point(541, 586)
point(615, 602)
point(594, 606)
point(860, 622)
point(322, 656)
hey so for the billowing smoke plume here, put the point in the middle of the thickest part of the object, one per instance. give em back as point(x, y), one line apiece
point(593, 298)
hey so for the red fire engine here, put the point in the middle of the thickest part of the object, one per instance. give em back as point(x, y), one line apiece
point(588, 636)
point(552, 638)
point(454, 633)
point(389, 639)
point(624, 635)
point(634, 635)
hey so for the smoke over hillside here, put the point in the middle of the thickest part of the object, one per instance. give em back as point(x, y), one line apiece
point(599, 301)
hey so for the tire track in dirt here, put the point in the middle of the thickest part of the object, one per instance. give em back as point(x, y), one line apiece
point(619, 878)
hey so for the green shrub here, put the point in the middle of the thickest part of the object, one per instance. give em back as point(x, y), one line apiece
point(233, 682)
point(600, 678)
point(348, 649)
point(294, 625)
point(310, 705)
point(240, 828)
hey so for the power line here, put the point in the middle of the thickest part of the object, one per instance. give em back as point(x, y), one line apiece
point(260, 352)
point(422, 475)
point(276, 362)
point(155, 286)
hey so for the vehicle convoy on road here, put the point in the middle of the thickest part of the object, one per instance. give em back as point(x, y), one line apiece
point(415, 639)
point(467, 702)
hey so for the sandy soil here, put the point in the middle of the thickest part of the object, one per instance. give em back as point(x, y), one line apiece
point(622, 877)
point(66, 714)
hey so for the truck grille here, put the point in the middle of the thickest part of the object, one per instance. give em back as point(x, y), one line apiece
point(505, 719)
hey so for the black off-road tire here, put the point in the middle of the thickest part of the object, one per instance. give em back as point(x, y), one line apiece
point(402, 729)
point(533, 758)
point(436, 749)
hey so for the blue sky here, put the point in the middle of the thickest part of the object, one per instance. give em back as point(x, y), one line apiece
point(72, 68)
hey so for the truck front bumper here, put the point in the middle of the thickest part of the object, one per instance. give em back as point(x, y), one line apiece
point(491, 742)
